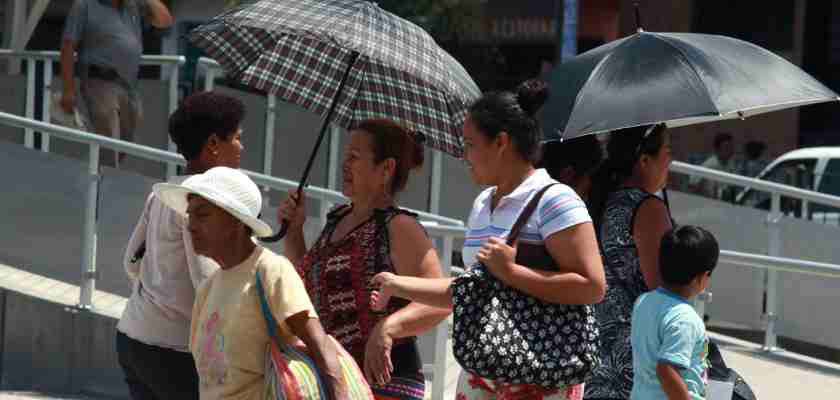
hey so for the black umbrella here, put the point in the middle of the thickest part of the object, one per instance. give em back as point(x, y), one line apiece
point(346, 59)
point(673, 78)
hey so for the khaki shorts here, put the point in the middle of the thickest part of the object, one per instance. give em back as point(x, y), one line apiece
point(113, 110)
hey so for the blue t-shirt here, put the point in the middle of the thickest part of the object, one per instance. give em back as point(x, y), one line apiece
point(665, 328)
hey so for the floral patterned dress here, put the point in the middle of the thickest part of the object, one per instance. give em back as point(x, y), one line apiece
point(613, 379)
point(337, 276)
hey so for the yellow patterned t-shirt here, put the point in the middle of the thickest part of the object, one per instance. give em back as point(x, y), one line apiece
point(228, 333)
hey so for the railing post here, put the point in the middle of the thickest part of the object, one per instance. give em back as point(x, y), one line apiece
point(442, 329)
point(209, 78)
point(436, 178)
point(29, 135)
point(700, 303)
point(88, 281)
point(332, 168)
point(774, 247)
point(173, 104)
point(270, 118)
point(46, 102)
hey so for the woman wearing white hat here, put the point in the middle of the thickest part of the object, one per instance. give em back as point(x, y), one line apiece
point(154, 330)
point(228, 333)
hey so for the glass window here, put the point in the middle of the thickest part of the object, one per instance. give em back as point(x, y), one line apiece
point(830, 181)
point(829, 184)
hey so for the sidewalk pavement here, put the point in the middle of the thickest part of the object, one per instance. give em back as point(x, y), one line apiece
point(780, 375)
point(772, 376)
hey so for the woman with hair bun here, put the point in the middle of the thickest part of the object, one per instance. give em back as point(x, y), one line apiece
point(365, 237)
point(562, 265)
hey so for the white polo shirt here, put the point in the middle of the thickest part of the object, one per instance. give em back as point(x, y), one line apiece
point(558, 209)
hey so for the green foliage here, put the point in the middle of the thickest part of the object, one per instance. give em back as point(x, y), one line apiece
point(445, 20)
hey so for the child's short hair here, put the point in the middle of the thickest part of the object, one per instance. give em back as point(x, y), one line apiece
point(685, 253)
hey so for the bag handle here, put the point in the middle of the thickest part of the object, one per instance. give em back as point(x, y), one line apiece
point(271, 323)
point(266, 311)
point(526, 214)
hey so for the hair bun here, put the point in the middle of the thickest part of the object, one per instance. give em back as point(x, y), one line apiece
point(531, 95)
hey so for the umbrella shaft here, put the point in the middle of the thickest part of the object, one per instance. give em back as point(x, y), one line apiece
point(304, 179)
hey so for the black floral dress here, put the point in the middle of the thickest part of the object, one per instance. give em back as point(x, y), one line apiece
point(613, 379)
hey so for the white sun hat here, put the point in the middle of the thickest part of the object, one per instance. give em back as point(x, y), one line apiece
point(225, 187)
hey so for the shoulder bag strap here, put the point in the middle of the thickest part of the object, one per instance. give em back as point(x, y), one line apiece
point(526, 214)
point(270, 322)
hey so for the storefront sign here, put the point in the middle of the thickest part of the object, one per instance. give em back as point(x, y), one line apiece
point(522, 28)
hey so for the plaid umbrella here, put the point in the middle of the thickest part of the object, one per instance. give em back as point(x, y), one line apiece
point(302, 50)
point(347, 59)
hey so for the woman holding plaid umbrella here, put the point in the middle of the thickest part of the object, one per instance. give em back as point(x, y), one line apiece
point(360, 239)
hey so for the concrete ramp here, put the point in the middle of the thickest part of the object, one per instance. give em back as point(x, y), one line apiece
point(48, 345)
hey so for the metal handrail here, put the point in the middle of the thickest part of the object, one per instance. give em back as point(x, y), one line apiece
point(208, 63)
point(51, 57)
point(754, 183)
point(444, 228)
point(156, 59)
point(146, 152)
point(759, 261)
point(448, 234)
point(154, 154)
point(89, 274)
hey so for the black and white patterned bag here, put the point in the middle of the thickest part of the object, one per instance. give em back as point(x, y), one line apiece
point(503, 334)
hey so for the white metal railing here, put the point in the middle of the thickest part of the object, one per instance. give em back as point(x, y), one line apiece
point(445, 230)
point(49, 58)
point(445, 235)
point(773, 265)
point(756, 184)
point(774, 240)
point(212, 70)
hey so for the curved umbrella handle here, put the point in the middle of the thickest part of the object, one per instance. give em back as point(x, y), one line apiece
point(284, 225)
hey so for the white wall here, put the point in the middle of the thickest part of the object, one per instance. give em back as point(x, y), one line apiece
point(807, 305)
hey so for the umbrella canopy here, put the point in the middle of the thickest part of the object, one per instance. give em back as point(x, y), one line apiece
point(673, 78)
point(302, 50)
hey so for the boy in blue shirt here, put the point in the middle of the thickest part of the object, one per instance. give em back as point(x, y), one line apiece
point(668, 337)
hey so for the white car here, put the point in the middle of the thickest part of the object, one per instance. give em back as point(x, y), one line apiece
point(815, 168)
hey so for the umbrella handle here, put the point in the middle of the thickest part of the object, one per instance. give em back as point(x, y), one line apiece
point(284, 228)
point(284, 224)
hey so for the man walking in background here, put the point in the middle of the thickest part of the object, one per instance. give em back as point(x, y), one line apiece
point(108, 35)
point(722, 160)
